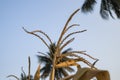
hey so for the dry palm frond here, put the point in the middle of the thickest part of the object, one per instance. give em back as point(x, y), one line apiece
point(37, 36)
point(72, 62)
point(69, 27)
point(67, 63)
point(59, 42)
point(37, 74)
point(65, 27)
point(102, 75)
point(80, 73)
point(88, 73)
point(79, 58)
point(65, 44)
point(40, 31)
point(70, 34)
point(79, 52)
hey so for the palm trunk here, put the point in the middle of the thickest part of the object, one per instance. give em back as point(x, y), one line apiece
point(52, 75)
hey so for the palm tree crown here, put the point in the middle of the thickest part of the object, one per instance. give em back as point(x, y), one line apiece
point(47, 59)
point(58, 60)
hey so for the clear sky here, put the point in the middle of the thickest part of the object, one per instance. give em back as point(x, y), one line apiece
point(101, 40)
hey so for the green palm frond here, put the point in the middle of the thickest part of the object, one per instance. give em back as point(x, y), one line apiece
point(88, 5)
point(44, 59)
point(107, 7)
point(45, 71)
point(116, 7)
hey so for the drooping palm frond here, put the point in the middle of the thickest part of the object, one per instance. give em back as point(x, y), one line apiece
point(88, 5)
point(106, 9)
point(116, 7)
point(88, 74)
point(34, 33)
point(44, 59)
point(45, 71)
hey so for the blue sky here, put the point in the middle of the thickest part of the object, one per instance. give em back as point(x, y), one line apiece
point(101, 39)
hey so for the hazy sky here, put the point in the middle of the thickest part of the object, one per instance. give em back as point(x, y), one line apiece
point(101, 40)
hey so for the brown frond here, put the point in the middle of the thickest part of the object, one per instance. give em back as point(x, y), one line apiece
point(37, 74)
point(73, 25)
point(88, 74)
point(40, 31)
point(67, 63)
point(83, 52)
point(36, 36)
point(80, 73)
point(65, 27)
point(77, 59)
point(84, 61)
point(65, 44)
point(70, 34)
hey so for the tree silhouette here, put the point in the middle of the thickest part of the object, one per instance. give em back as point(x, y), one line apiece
point(107, 7)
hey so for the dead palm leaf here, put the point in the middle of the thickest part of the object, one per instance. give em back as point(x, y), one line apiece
point(89, 73)
point(37, 74)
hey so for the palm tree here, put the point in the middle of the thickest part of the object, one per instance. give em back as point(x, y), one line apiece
point(58, 61)
point(47, 59)
point(106, 9)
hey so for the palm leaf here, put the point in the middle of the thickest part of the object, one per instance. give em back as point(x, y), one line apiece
point(44, 59)
point(65, 27)
point(88, 73)
point(37, 36)
point(37, 74)
point(67, 63)
point(80, 73)
point(88, 5)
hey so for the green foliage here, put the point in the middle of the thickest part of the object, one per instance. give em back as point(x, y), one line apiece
point(107, 7)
